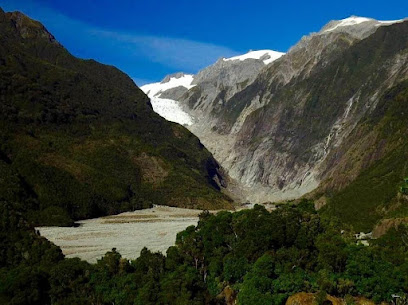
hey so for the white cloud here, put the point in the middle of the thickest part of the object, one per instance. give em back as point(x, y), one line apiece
point(187, 55)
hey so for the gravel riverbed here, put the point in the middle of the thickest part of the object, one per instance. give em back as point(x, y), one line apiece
point(128, 232)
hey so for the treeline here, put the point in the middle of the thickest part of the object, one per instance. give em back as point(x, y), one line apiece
point(254, 256)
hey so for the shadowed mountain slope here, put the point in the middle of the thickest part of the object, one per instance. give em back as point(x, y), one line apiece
point(84, 140)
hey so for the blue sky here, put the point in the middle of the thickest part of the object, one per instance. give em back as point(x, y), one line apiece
point(149, 39)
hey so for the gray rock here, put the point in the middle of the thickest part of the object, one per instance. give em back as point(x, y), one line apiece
point(276, 128)
point(174, 93)
point(174, 75)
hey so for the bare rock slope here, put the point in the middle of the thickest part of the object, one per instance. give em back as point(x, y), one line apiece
point(286, 128)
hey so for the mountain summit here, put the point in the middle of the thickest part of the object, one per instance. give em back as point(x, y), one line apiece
point(354, 22)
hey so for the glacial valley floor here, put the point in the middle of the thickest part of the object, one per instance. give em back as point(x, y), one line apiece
point(129, 233)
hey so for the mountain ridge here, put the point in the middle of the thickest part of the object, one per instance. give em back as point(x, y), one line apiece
point(269, 133)
point(83, 139)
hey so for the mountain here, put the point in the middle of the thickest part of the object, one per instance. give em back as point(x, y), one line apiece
point(173, 86)
point(226, 72)
point(79, 139)
point(78, 136)
point(312, 121)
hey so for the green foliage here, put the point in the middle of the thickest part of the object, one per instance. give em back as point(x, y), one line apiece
point(332, 251)
point(321, 296)
point(372, 276)
point(235, 268)
point(239, 251)
point(69, 282)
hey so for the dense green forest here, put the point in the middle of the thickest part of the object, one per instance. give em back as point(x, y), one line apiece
point(257, 256)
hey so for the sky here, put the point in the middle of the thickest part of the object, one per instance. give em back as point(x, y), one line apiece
point(150, 39)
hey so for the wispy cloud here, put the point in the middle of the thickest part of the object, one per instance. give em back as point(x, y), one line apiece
point(174, 52)
point(131, 52)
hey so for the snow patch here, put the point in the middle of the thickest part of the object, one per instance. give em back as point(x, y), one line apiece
point(354, 20)
point(348, 22)
point(155, 89)
point(391, 21)
point(271, 56)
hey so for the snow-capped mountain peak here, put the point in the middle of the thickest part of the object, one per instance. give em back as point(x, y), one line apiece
point(337, 25)
point(352, 20)
point(164, 95)
point(168, 108)
point(178, 80)
point(267, 56)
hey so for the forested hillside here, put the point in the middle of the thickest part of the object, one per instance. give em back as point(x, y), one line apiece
point(82, 140)
point(378, 148)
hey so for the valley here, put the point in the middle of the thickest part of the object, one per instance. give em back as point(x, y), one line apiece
point(263, 178)
point(129, 233)
point(154, 228)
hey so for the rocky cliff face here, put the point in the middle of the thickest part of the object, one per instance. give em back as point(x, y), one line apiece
point(204, 96)
point(280, 128)
point(306, 114)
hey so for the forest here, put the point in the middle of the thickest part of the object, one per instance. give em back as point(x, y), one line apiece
point(252, 256)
